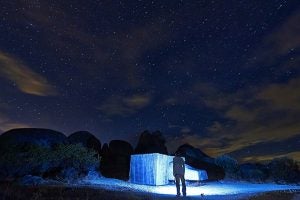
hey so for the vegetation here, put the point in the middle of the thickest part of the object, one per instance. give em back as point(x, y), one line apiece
point(230, 166)
point(36, 160)
point(71, 161)
point(254, 172)
point(280, 170)
point(284, 170)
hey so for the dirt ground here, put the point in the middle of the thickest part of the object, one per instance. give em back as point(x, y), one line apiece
point(10, 191)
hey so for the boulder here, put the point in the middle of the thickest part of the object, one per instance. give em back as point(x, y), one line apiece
point(105, 149)
point(86, 139)
point(31, 136)
point(120, 148)
point(197, 159)
point(192, 152)
point(151, 143)
point(115, 160)
point(105, 165)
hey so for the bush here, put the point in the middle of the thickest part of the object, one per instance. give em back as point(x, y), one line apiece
point(36, 160)
point(284, 170)
point(230, 166)
point(253, 172)
point(76, 156)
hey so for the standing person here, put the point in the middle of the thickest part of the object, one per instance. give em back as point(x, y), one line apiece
point(178, 173)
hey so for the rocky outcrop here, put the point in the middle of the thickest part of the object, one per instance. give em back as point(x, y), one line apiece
point(192, 152)
point(31, 136)
point(115, 160)
point(86, 139)
point(151, 143)
point(120, 148)
point(197, 159)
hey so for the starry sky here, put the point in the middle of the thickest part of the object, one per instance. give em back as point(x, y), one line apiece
point(223, 76)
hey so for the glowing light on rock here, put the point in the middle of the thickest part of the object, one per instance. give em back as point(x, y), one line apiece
point(149, 169)
point(157, 169)
point(191, 174)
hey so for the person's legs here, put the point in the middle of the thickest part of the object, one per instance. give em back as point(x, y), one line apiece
point(183, 185)
point(177, 181)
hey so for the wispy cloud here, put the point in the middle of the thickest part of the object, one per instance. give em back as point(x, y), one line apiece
point(268, 157)
point(287, 37)
point(7, 124)
point(264, 113)
point(248, 117)
point(26, 80)
point(137, 101)
point(270, 114)
point(282, 96)
point(117, 52)
point(280, 46)
point(124, 105)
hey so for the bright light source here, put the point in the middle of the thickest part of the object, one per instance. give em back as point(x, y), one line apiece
point(171, 190)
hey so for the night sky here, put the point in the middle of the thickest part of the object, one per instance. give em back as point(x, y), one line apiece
point(223, 76)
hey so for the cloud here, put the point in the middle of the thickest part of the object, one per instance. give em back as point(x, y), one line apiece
point(195, 140)
point(25, 79)
point(279, 47)
point(267, 114)
point(246, 118)
point(185, 130)
point(240, 113)
point(283, 147)
point(115, 107)
point(174, 142)
point(7, 124)
point(137, 101)
point(282, 96)
point(107, 55)
point(264, 114)
point(269, 157)
point(207, 94)
point(287, 37)
point(170, 101)
point(124, 105)
point(215, 127)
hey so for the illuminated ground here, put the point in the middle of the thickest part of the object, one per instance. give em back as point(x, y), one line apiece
point(206, 189)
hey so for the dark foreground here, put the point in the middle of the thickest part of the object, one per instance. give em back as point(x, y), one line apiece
point(14, 192)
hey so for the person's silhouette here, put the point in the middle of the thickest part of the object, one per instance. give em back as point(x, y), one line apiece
point(178, 172)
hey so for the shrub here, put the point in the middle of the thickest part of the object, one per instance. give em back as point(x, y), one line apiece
point(284, 170)
point(253, 172)
point(36, 160)
point(76, 156)
point(230, 166)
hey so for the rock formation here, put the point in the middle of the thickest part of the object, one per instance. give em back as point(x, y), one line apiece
point(151, 143)
point(197, 159)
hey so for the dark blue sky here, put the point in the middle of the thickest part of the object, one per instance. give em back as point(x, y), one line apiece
point(220, 75)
